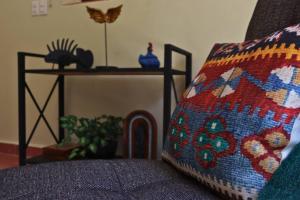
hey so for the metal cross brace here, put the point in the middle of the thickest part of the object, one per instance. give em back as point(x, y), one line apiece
point(174, 90)
point(41, 112)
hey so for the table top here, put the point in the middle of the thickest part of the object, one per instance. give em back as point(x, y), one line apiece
point(103, 71)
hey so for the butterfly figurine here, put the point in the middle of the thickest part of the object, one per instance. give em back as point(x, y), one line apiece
point(110, 16)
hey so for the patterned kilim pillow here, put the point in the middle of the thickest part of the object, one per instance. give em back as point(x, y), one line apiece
point(239, 118)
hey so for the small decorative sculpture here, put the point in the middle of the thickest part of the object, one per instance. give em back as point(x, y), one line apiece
point(149, 61)
point(110, 16)
point(63, 54)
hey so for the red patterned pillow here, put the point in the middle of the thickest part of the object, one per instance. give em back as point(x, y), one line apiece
point(239, 118)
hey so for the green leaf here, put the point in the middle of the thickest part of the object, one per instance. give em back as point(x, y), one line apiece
point(73, 118)
point(103, 130)
point(103, 142)
point(96, 140)
point(64, 125)
point(85, 122)
point(83, 141)
point(62, 143)
point(63, 119)
point(82, 153)
point(73, 154)
point(81, 129)
point(93, 148)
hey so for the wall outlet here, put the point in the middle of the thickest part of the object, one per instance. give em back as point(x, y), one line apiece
point(39, 7)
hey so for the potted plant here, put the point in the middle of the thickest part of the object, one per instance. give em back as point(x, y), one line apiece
point(97, 137)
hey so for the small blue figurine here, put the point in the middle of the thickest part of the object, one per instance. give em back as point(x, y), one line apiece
point(149, 61)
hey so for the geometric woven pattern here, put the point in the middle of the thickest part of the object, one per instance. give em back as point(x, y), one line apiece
point(237, 120)
point(264, 150)
point(212, 142)
point(285, 182)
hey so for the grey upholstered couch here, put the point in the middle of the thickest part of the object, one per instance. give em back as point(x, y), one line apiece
point(129, 179)
point(100, 179)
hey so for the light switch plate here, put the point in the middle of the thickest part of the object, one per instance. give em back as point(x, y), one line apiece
point(35, 7)
point(43, 7)
point(39, 7)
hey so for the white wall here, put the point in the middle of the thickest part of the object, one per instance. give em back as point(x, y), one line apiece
point(191, 24)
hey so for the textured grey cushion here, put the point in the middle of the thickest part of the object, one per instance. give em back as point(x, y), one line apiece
point(100, 179)
point(273, 15)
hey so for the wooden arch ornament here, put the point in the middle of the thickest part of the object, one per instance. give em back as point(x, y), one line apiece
point(140, 136)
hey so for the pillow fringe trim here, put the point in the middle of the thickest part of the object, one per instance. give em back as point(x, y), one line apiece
point(226, 188)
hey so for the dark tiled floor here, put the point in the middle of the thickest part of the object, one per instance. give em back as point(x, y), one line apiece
point(8, 160)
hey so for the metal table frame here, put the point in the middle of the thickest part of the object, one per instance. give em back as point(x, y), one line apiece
point(166, 71)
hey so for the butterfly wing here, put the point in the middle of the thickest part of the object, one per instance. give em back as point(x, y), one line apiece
point(113, 14)
point(96, 15)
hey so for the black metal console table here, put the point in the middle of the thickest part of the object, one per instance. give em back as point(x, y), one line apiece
point(167, 72)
